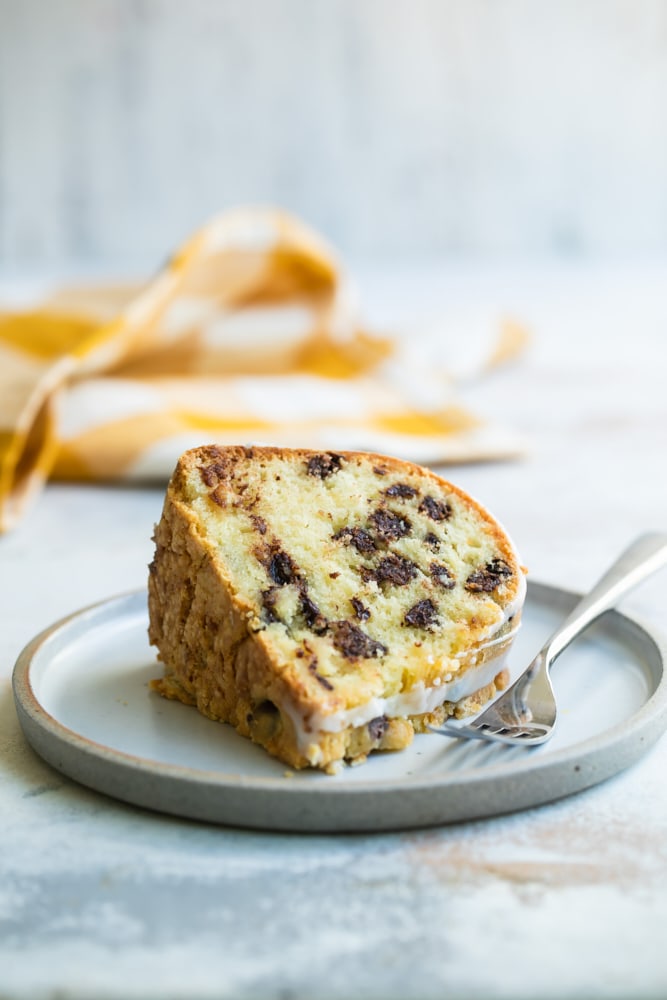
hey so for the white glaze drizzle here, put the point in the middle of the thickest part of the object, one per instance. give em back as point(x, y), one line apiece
point(419, 700)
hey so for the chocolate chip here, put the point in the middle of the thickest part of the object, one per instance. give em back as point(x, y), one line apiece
point(353, 643)
point(432, 541)
point(442, 575)
point(392, 569)
point(390, 525)
point(259, 523)
point(269, 603)
point(314, 617)
point(281, 567)
point(312, 666)
point(421, 615)
point(437, 510)
point(362, 540)
point(361, 612)
point(324, 465)
point(486, 579)
point(379, 471)
point(403, 490)
point(378, 727)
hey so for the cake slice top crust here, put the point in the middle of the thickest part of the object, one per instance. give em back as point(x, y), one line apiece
point(361, 575)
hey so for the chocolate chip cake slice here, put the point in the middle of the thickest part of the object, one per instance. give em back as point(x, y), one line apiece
point(328, 604)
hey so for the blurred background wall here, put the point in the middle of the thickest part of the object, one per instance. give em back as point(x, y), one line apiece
point(400, 128)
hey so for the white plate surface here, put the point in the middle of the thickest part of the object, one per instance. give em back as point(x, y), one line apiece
point(81, 691)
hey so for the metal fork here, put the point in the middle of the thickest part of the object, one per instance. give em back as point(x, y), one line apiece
point(525, 714)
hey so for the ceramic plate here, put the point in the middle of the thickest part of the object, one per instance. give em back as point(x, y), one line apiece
point(81, 691)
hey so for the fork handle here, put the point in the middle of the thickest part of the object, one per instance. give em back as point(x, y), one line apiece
point(643, 557)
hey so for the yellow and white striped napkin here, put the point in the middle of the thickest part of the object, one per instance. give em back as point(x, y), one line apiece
point(251, 333)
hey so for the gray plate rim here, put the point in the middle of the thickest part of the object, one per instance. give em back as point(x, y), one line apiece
point(232, 799)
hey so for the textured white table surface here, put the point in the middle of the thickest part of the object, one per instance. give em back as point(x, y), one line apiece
point(99, 899)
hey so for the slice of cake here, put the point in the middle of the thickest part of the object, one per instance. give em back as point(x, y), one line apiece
point(328, 604)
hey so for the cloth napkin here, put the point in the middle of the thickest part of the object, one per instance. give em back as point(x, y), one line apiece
point(250, 333)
